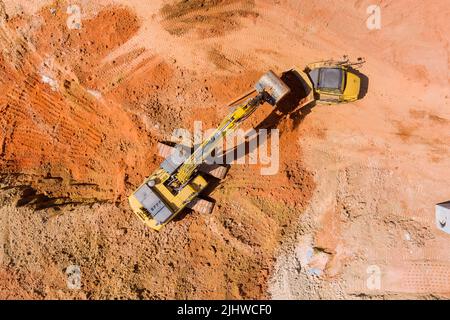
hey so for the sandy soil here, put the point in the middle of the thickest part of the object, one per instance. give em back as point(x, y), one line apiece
point(83, 109)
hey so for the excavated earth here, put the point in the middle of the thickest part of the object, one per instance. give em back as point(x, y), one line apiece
point(88, 92)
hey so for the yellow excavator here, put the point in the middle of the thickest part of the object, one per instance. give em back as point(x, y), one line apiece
point(177, 183)
point(180, 179)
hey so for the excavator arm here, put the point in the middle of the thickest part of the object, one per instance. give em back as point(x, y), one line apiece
point(226, 127)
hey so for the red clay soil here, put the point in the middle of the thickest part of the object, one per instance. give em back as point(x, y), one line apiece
point(82, 111)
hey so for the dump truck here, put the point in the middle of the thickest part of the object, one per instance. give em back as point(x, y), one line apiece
point(183, 175)
point(335, 81)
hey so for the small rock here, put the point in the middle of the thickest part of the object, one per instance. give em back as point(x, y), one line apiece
point(407, 236)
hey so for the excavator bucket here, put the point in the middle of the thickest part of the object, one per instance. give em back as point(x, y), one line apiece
point(273, 85)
